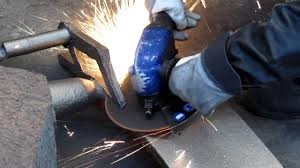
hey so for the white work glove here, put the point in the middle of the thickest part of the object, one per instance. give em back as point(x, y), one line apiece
point(176, 10)
point(191, 83)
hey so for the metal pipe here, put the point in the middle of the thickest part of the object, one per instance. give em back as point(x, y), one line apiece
point(34, 43)
point(70, 94)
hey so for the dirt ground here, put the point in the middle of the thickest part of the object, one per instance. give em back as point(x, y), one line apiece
point(90, 124)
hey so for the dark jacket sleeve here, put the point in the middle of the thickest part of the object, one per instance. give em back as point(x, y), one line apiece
point(259, 52)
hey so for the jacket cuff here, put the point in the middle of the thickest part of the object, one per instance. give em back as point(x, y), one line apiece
point(218, 68)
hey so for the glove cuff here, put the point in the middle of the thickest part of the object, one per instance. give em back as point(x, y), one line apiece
point(166, 70)
point(218, 68)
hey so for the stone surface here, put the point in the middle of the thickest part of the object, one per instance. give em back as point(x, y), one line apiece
point(280, 136)
point(233, 145)
point(27, 120)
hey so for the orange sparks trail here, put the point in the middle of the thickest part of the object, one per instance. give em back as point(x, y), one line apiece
point(137, 150)
point(108, 145)
point(118, 25)
point(89, 152)
point(94, 154)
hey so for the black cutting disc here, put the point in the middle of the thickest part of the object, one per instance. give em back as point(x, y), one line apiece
point(132, 116)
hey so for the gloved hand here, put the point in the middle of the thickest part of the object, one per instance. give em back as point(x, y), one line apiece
point(191, 83)
point(176, 10)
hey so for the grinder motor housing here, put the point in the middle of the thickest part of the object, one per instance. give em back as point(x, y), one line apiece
point(155, 49)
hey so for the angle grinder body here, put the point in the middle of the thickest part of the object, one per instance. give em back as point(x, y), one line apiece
point(150, 104)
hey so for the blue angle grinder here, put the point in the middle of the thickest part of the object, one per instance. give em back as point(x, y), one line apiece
point(150, 105)
point(154, 54)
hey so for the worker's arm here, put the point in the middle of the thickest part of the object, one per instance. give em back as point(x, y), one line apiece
point(255, 54)
point(266, 52)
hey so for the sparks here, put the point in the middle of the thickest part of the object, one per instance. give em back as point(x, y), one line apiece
point(70, 133)
point(95, 149)
point(107, 154)
point(203, 3)
point(28, 32)
point(152, 134)
point(66, 15)
point(90, 166)
point(27, 27)
point(180, 156)
point(210, 123)
point(137, 150)
point(113, 143)
point(118, 25)
point(258, 4)
point(192, 4)
point(189, 164)
point(38, 17)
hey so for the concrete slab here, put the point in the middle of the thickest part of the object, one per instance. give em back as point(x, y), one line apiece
point(234, 145)
point(280, 136)
point(27, 120)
